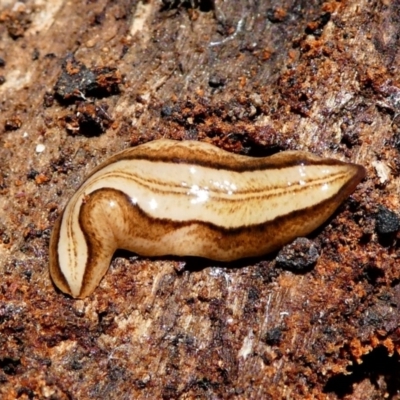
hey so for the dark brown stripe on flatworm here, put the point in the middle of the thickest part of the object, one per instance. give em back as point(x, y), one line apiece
point(249, 164)
point(181, 153)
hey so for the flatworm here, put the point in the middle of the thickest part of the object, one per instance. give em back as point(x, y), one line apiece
point(192, 199)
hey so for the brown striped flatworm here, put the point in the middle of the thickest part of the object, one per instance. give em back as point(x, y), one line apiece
point(192, 199)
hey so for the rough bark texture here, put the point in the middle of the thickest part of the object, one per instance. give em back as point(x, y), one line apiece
point(83, 79)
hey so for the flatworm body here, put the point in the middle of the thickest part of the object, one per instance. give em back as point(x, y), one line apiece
point(192, 199)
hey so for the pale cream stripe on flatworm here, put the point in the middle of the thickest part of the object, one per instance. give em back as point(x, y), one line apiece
point(160, 198)
point(225, 196)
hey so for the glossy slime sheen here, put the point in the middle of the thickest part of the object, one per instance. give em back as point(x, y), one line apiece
point(192, 199)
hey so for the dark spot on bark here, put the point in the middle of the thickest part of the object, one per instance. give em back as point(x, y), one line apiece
point(216, 81)
point(276, 14)
point(32, 232)
point(316, 27)
point(170, 391)
point(35, 54)
point(13, 123)
point(300, 255)
point(77, 80)
point(48, 100)
point(202, 5)
point(372, 273)
point(350, 138)
point(32, 174)
point(142, 383)
point(273, 336)
point(117, 373)
point(9, 365)
point(215, 310)
point(191, 133)
point(253, 294)
point(166, 111)
point(5, 238)
point(24, 391)
point(76, 365)
point(387, 222)
point(17, 21)
point(99, 18)
point(89, 120)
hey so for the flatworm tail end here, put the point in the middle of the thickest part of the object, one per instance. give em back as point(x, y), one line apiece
point(360, 175)
point(356, 174)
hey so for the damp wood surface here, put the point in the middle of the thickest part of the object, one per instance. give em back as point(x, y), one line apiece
point(80, 81)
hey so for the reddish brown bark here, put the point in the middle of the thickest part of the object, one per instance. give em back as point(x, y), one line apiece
point(252, 77)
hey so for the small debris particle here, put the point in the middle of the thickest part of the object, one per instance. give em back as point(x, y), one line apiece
point(276, 15)
point(48, 100)
point(31, 232)
point(180, 266)
point(382, 170)
point(300, 255)
point(13, 124)
point(170, 4)
point(89, 119)
point(90, 43)
point(32, 174)
point(142, 383)
point(99, 18)
point(253, 294)
point(216, 81)
point(9, 365)
point(41, 178)
point(273, 336)
point(387, 222)
point(255, 98)
point(77, 80)
point(166, 111)
point(40, 148)
point(3, 184)
point(316, 27)
point(16, 20)
point(5, 238)
point(35, 54)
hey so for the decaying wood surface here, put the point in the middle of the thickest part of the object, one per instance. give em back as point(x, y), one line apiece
point(81, 80)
